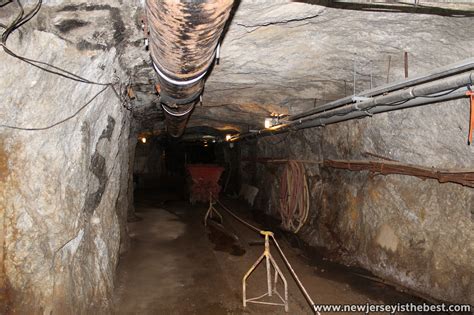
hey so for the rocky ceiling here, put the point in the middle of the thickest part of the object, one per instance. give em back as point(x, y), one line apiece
point(288, 56)
point(277, 56)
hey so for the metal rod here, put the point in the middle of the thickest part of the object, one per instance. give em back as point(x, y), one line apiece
point(432, 92)
point(426, 90)
point(452, 69)
point(371, 75)
point(275, 265)
point(354, 84)
point(388, 70)
point(406, 63)
point(295, 276)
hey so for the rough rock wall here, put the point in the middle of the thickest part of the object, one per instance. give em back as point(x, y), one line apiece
point(417, 233)
point(63, 191)
point(132, 142)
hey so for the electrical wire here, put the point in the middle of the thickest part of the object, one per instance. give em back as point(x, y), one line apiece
point(62, 120)
point(441, 93)
point(367, 109)
point(20, 20)
point(283, 139)
point(292, 125)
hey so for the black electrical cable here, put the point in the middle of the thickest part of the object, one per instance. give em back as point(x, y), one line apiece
point(62, 120)
point(283, 139)
point(19, 19)
point(5, 2)
point(364, 109)
point(394, 103)
point(417, 96)
point(292, 127)
point(68, 75)
point(443, 94)
point(18, 22)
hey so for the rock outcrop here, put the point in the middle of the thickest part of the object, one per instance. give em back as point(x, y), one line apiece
point(64, 189)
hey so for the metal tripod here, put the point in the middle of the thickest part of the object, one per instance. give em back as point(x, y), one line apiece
point(272, 287)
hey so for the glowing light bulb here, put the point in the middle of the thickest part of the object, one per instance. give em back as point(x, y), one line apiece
point(143, 139)
point(268, 122)
point(228, 137)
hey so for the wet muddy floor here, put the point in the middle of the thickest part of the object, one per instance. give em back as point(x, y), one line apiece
point(176, 265)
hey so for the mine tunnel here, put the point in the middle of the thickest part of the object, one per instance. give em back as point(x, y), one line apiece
point(236, 157)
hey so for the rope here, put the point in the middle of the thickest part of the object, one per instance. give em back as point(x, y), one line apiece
point(295, 276)
point(252, 227)
point(287, 263)
point(294, 195)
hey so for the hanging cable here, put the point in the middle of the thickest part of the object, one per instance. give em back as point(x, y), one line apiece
point(21, 19)
point(59, 122)
point(294, 196)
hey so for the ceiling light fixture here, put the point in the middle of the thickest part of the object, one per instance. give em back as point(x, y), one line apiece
point(271, 121)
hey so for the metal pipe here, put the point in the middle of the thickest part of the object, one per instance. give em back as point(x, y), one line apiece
point(437, 91)
point(383, 108)
point(456, 68)
point(321, 122)
point(184, 35)
point(391, 99)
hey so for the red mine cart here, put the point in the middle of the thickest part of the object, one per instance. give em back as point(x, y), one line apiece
point(204, 180)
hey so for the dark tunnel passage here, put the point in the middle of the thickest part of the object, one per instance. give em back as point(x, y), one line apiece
point(173, 251)
point(236, 157)
point(163, 162)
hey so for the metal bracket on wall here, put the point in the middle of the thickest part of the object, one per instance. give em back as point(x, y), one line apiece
point(146, 32)
point(358, 99)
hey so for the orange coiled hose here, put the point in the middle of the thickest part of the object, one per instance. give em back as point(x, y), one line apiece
point(294, 196)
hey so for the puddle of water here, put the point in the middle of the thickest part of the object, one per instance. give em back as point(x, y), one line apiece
point(223, 241)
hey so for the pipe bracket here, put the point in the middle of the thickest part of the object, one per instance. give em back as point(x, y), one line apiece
point(175, 113)
point(176, 82)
